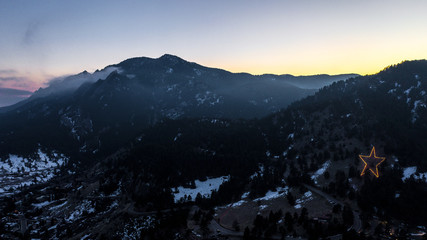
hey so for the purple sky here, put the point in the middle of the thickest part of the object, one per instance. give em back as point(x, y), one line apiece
point(40, 40)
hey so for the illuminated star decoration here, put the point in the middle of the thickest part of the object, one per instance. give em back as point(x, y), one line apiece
point(371, 162)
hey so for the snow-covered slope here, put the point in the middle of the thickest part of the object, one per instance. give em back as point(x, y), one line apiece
point(16, 171)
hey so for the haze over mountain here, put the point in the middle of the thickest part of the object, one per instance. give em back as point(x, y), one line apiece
point(70, 83)
point(125, 98)
point(9, 96)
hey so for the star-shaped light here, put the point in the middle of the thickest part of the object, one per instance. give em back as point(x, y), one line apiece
point(371, 162)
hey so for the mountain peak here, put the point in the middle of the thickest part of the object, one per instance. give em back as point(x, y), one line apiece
point(171, 58)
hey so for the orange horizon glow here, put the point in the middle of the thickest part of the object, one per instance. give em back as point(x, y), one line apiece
point(41, 79)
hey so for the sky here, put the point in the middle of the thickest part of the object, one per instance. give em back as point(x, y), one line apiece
point(44, 39)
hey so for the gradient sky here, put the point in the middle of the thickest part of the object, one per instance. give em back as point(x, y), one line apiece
point(40, 40)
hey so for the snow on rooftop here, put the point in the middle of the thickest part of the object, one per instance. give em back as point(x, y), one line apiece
point(205, 188)
point(308, 196)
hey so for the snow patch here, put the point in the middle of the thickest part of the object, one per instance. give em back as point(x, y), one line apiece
point(177, 136)
point(412, 171)
point(320, 171)
point(408, 172)
point(205, 188)
point(280, 192)
point(260, 172)
point(407, 91)
point(417, 104)
point(245, 195)
point(237, 204)
point(308, 196)
point(392, 90)
point(86, 205)
point(41, 205)
point(262, 207)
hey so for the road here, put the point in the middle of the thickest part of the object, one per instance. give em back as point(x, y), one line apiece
point(129, 208)
point(357, 223)
point(215, 227)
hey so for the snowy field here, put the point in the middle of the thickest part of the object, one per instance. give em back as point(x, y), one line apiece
point(17, 171)
point(205, 188)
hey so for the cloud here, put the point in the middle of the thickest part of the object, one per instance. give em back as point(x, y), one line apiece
point(31, 32)
point(9, 96)
point(13, 79)
point(14, 92)
point(70, 82)
point(7, 72)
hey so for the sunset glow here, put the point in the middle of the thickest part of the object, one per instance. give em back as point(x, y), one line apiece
point(48, 39)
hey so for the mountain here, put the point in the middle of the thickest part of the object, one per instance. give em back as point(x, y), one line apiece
point(103, 110)
point(295, 172)
point(62, 86)
point(310, 82)
point(301, 162)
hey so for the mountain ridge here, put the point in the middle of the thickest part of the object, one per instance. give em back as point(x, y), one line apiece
point(121, 99)
point(72, 82)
